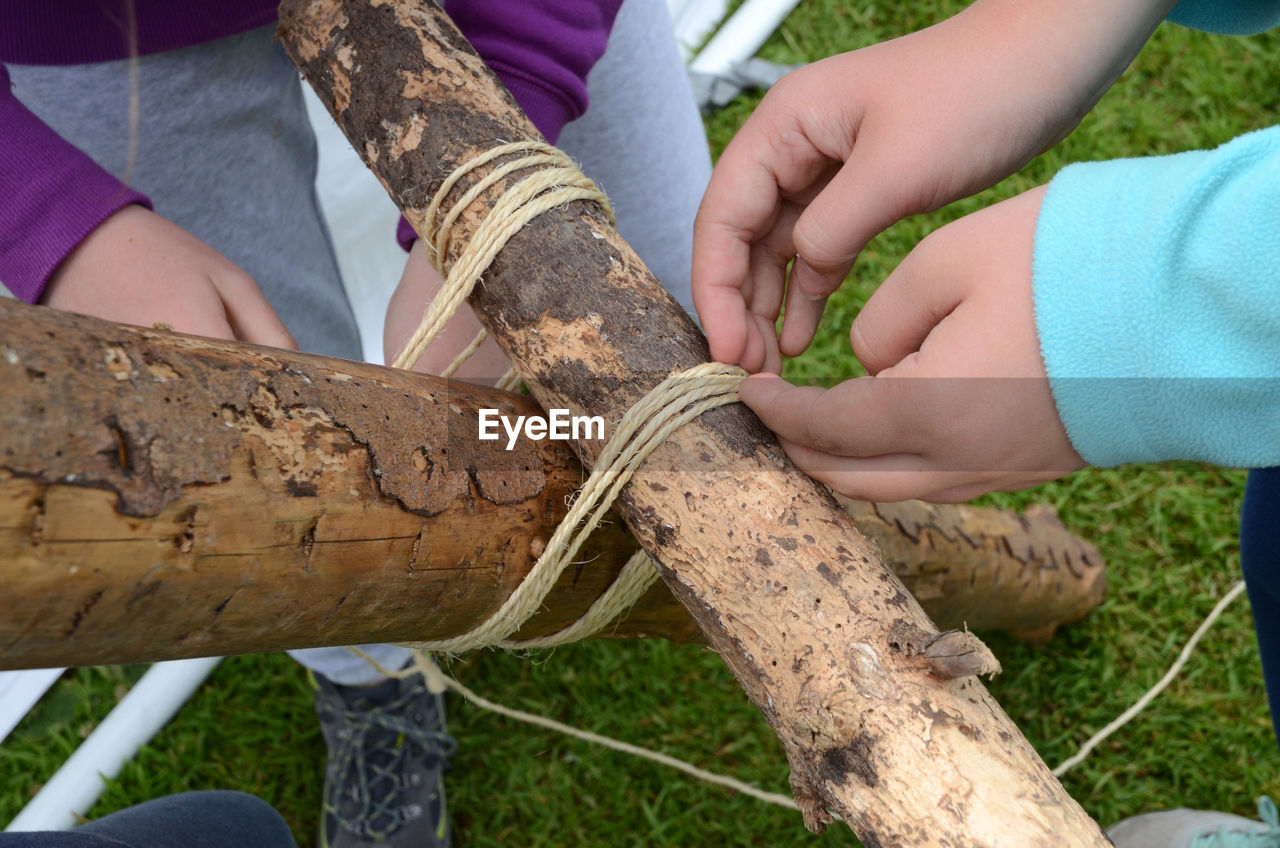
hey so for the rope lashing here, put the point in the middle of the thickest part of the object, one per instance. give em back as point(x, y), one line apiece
point(675, 401)
point(556, 184)
point(671, 404)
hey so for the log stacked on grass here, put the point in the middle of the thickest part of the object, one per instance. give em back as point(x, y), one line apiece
point(163, 496)
point(820, 633)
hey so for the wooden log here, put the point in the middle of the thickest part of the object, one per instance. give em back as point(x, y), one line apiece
point(822, 636)
point(154, 505)
point(986, 569)
point(165, 496)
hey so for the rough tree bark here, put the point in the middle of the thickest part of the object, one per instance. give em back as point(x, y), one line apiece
point(822, 636)
point(984, 568)
point(163, 496)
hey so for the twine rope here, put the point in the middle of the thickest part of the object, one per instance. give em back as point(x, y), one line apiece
point(556, 182)
point(674, 402)
point(1150, 695)
point(671, 404)
point(438, 681)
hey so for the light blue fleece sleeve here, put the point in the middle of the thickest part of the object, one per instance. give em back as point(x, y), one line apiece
point(1157, 296)
point(1235, 17)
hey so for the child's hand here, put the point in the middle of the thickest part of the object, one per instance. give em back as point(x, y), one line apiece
point(418, 285)
point(139, 268)
point(959, 404)
point(841, 149)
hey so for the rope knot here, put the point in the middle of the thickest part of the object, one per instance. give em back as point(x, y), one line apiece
point(556, 181)
point(670, 405)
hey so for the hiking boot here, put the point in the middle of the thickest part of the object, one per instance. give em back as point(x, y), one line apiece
point(387, 750)
point(1184, 828)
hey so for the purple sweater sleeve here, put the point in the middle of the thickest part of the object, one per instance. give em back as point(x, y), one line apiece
point(51, 197)
point(542, 51)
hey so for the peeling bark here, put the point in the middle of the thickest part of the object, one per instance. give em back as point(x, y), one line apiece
point(986, 568)
point(870, 731)
point(165, 496)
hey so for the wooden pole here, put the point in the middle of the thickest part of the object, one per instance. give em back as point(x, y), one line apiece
point(878, 725)
point(163, 496)
point(986, 569)
point(166, 496)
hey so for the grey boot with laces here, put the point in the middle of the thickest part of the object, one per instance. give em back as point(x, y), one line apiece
point(387, 751)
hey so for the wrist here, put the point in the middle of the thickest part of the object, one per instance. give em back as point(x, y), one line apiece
point(1059, 58)
point(84, 252)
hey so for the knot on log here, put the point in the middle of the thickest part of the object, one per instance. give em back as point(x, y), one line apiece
point(949, 655)
point(958, 653)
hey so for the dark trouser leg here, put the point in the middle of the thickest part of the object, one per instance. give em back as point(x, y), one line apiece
point(190, 820)
point(1260, 561)
point(197, 820)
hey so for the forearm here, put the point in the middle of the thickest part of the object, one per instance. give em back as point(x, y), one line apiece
point(1050, 59)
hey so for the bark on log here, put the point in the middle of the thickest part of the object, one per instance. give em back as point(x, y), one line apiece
point(165, 496)
point(154, 505)
point(986, 569)
point(821, 635)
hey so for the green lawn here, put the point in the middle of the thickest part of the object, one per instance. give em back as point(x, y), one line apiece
point(1168, 533)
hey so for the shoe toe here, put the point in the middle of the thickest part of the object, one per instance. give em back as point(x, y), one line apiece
point(1174, 828)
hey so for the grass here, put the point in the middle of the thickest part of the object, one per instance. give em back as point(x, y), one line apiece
point(1168, 533)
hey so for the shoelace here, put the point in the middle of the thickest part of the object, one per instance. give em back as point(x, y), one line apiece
point(1266, 834)
point(350, 756)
